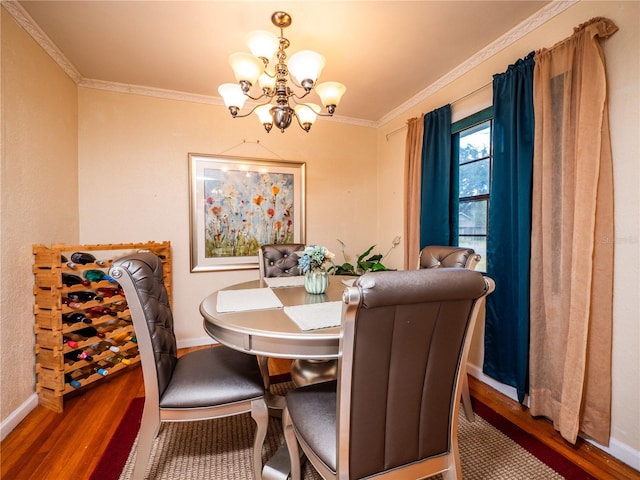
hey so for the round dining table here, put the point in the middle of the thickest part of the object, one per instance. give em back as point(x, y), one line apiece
point(270, 332)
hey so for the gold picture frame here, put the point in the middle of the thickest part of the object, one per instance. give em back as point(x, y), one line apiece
point(237, 204)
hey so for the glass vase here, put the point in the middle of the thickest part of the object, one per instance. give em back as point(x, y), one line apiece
point(316, 281)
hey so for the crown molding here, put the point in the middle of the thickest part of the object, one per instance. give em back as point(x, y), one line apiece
point(542, 16)
point(148, 91)
point(524, 28)
point(189, 97)
point(23, 19)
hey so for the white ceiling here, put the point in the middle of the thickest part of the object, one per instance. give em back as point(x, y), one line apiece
point(385, 52)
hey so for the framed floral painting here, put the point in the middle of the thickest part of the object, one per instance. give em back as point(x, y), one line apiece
point(237, 204)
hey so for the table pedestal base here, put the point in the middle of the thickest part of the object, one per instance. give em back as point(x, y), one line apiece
point(308, 372)
point(279, 466)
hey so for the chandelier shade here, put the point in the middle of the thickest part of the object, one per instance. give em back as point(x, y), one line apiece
point(232, 95)
point(276, 79)
point(306, 66)
point(246, 67)
point(263, 44)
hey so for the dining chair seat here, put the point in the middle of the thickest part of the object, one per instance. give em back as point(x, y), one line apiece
point(235, 377)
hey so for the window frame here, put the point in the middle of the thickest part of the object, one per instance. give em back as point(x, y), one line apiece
point(457, 128)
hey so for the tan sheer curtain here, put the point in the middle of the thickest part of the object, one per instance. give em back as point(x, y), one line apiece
point(412, 174)
point(572, 237)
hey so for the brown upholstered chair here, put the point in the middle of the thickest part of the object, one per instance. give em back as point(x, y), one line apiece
point(437, 256)
point(393, 409)
point(280, 260)
point(207, 383)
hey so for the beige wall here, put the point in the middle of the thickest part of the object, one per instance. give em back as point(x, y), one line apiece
point(39, 196)
point(134, 173)
point(621, 53)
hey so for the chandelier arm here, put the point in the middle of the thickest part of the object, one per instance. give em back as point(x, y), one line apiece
point(260, 97)
point(299, 97)
point(252, 110)
point(303, 127)
point(320, 114)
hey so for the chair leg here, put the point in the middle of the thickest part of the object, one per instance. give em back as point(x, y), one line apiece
point(149, 426)
point(292, 445)
point(454, 472)
point(260, 415)
point(466, 400)
point(263, 362)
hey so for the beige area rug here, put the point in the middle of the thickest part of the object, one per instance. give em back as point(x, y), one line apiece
point(220, 449)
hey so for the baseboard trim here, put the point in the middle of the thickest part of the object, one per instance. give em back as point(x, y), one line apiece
point(616, 448)
point(195, 342)
point(15, 417)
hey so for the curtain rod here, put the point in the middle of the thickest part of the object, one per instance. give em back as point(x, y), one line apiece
point(450, 103)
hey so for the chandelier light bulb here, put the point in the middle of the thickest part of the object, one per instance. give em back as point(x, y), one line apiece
point(330, 93)
point(263, 112)
point(267, 81)
point(307, 114)
point(246, 67)
point(263, 44)
point(232, 95)
point(306, 66)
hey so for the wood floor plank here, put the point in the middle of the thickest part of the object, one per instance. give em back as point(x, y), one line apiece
point(67, 446)
point(590, 458)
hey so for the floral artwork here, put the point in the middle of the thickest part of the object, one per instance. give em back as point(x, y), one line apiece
point(238, 204)
point(244, 210)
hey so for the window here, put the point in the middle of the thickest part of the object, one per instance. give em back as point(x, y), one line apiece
point(473, 151)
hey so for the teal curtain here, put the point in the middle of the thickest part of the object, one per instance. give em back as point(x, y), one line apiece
point(506, 342)
point(439, 195)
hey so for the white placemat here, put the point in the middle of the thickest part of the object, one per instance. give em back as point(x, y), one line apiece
point(277, 282)
point(316, 315)
point(247, 299)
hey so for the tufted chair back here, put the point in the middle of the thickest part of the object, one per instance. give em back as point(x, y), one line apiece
point(154, 329)
point(394, 410)
point(279, 260)
point(436, 256)
point(405, 359)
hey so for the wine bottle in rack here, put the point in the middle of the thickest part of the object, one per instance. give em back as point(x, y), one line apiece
point(118, 307)
point(76, 317)
point(119, 358)
point(70, 280)
point(71, 343)
point(103, 346)
point(111, 326)
point(71, 381)
point(99, 311)
point(83, 258)
point(70, 303)
point(97, 275)
point(84, 334)
point(84, 296)
point(69, 264)
point(124, 337)
point(72, 357)
point(107, 292)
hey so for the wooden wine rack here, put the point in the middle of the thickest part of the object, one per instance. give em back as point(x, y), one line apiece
point(50, 329)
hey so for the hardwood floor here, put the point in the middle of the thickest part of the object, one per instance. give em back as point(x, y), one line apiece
point(67, 446)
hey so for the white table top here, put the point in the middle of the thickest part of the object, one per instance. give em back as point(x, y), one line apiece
point(271, 332)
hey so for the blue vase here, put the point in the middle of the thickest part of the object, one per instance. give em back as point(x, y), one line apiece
point(316, 281)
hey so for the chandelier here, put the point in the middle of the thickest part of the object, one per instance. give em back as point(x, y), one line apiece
point(276, 82)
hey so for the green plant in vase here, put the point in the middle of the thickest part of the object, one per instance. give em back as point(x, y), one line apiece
point(365, 263)
point(314, 262)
